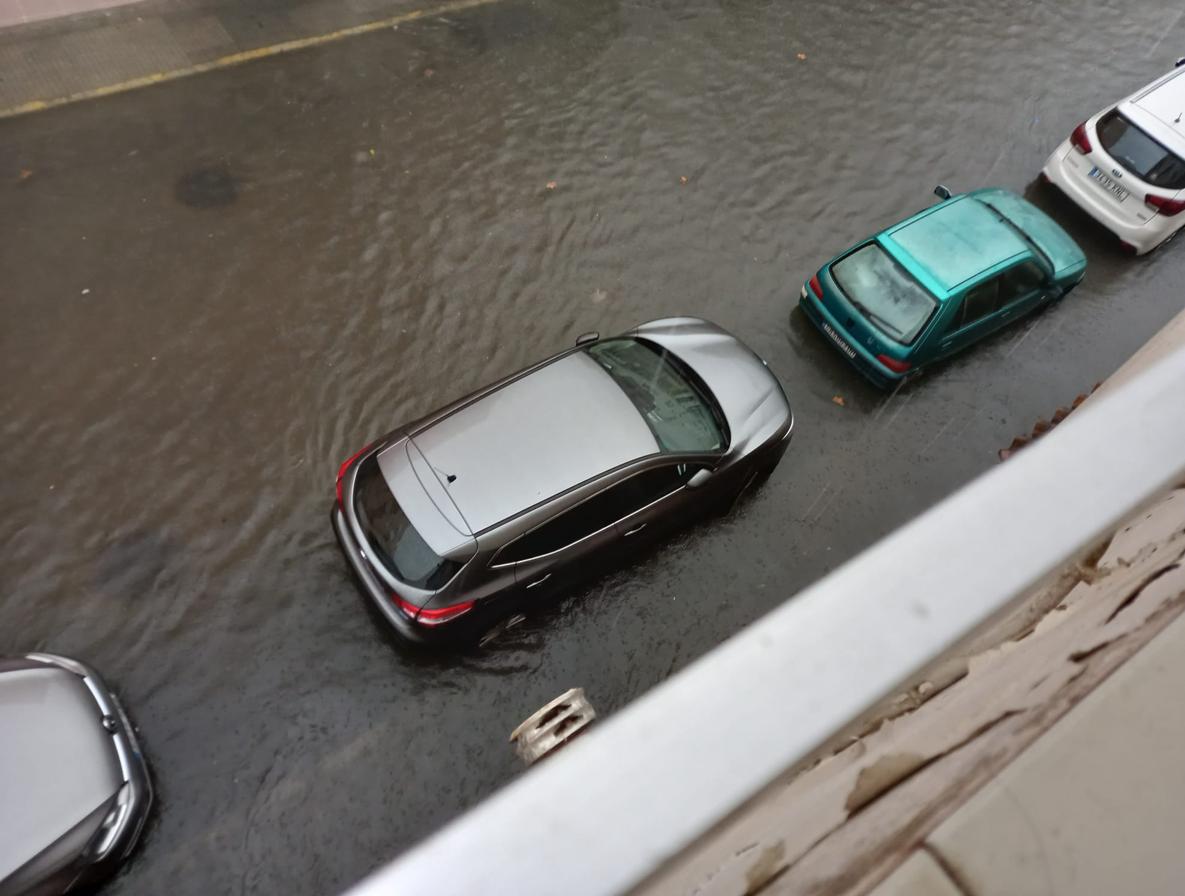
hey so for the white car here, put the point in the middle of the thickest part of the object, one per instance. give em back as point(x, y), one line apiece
point(1125, 166)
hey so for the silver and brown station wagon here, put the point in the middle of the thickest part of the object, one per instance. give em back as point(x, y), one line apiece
point(515, 487)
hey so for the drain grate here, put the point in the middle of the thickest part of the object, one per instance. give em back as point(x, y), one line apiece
point(552, 726)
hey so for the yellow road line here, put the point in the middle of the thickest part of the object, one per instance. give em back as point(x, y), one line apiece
point(239, 58)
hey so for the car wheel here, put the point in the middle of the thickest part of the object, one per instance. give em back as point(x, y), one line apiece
point(756, 480)
point(500, 628)
point(1056, 296)
point(761, 476)
point(912, 377)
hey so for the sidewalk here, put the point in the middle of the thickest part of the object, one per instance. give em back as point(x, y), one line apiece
point(109, 50)
point(21, 12)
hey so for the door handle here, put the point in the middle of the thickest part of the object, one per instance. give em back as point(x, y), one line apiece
point(539, 581)
point(634, 531)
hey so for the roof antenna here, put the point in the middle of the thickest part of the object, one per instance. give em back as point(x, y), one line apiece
point(451, 477)
point(1177, 120)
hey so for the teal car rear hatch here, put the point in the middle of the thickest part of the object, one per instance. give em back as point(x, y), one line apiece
point(872, 309)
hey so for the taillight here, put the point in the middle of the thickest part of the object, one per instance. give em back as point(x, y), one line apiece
point(341, 471)
point(893, 364)
point(409, 609)
point(816, 288)
point(1080, 140)
point(1165, 206)
point(444, 614)
point(434, 615)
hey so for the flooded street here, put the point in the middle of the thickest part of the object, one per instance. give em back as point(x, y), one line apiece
point(215, 290)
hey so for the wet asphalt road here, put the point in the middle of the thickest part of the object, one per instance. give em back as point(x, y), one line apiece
point(215, 290)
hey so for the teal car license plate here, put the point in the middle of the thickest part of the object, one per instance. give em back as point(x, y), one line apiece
point(1108, 184)
point(838, 340)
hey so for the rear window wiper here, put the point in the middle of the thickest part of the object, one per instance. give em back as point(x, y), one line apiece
point(876, 318)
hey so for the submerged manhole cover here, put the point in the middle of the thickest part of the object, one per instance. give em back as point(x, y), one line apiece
point(211, 186)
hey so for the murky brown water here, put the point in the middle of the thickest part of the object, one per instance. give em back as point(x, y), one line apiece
point(215, 290)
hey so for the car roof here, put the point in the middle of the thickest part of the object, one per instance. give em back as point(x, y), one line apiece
point(1165, 104)
point(537, 436)
point(953, 242)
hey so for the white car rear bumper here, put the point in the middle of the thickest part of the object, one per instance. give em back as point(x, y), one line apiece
point(1144, 237)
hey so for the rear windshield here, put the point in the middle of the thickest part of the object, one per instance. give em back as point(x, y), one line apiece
point(1139, 153)
point(892, 300)
point(677, 407)
point(392, 537)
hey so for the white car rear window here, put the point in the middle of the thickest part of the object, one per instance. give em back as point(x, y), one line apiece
point(1139, 153)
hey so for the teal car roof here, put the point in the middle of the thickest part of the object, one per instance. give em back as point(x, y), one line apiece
point(953, 242)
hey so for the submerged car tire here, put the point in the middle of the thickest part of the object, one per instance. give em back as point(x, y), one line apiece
point(765, 472)
point(755, 481)
point(1053, 300)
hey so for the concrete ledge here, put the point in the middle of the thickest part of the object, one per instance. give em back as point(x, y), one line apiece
point(1093, 807)
point(919, 875)
point(841, 826)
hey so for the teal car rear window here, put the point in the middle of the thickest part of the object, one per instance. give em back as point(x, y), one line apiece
point(892, 300)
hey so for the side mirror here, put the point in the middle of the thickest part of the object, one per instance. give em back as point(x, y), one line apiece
point(942, 192)
point(585, 338)
point(698, 478)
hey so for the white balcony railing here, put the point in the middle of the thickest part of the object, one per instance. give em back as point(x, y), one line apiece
point(640, 788)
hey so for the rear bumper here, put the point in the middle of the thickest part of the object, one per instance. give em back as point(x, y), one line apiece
point(858, 357)
point(1145, 237)
point(374, 589)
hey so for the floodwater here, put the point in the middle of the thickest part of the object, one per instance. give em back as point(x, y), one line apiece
point(215, 290)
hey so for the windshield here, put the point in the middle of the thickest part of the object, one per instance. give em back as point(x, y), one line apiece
point(393, 538)
point(678, 409)
point(1139, 153)
point(893, 301)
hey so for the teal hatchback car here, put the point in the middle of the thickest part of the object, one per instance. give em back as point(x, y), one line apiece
point(933, 284)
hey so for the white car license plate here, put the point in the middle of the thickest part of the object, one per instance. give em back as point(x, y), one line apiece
point(1108, 184)
point(838, 340)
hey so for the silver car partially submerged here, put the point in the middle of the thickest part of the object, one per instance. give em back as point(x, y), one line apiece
point(515, 487)
point(74, 788)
